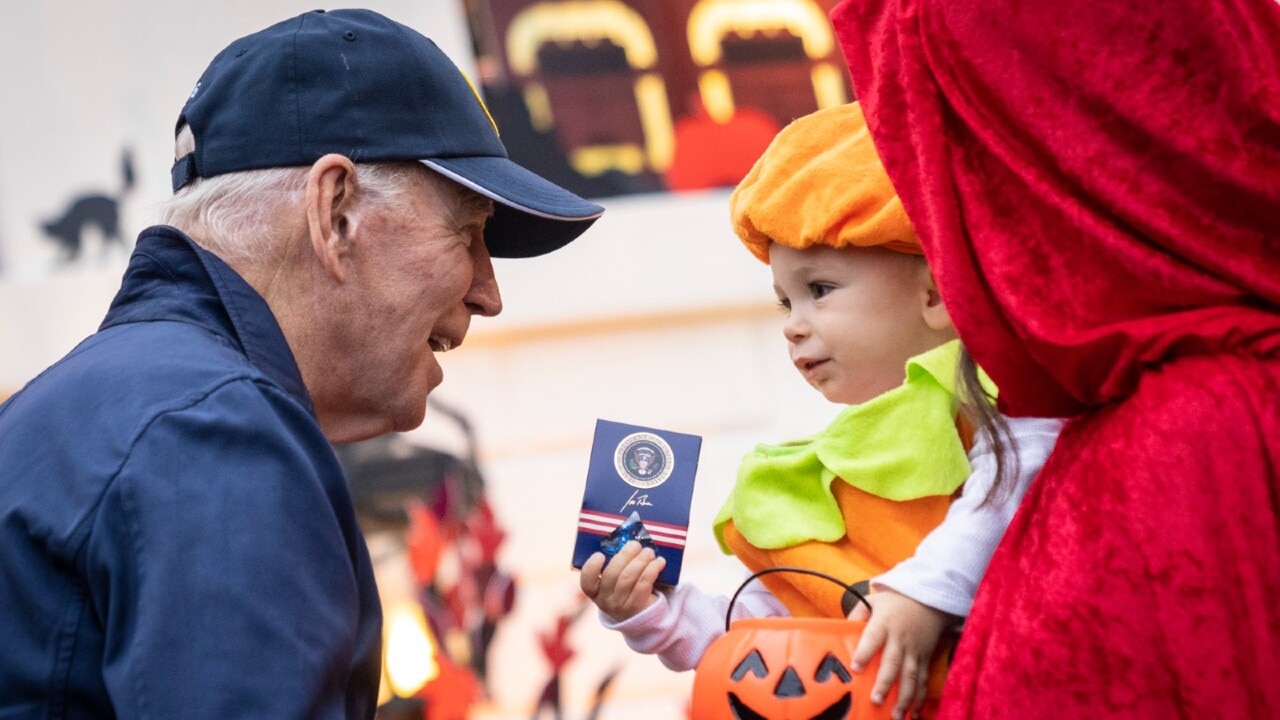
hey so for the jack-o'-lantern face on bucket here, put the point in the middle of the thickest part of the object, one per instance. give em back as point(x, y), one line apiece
point(790, 687)
point(791, 668)
point(787, 668)
point(780, 669)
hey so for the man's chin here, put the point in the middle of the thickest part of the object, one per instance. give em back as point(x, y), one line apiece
point(402, 417)
point(410, 420)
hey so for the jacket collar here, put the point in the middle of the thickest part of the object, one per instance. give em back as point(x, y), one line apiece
point(171, 278)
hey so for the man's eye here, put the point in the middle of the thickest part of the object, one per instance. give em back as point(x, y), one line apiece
point(473, 232)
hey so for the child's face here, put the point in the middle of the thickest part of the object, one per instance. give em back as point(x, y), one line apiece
point(855, 316)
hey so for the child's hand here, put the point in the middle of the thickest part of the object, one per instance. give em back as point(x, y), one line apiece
point(908, 632)
point(624, 587)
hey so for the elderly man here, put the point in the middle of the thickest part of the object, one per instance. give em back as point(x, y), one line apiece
point(176, 536)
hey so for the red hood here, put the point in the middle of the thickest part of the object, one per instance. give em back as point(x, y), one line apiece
point(1095, 194)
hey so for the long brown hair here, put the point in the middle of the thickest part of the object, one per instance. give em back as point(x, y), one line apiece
point(978, 408)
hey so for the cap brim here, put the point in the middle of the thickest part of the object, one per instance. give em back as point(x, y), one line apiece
point(533, 216)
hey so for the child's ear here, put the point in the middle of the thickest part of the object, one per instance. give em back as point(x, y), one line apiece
point(932, 308)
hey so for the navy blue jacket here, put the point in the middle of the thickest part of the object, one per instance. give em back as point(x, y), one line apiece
point(176, 537)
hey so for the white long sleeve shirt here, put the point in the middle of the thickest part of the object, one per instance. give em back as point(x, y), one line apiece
point(943, 573)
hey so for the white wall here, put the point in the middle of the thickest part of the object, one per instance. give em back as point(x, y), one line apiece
point(656, 317)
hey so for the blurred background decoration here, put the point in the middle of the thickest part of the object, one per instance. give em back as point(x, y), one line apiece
point(558, 651)
point(435, 542)
point(612, 97)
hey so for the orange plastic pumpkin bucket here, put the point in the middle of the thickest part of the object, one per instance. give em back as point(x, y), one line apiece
point(787, 668)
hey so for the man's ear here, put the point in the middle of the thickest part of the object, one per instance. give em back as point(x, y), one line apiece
point(331, 185)
point(932, 309)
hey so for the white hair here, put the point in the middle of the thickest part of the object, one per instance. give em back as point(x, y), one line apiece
point(236, 215)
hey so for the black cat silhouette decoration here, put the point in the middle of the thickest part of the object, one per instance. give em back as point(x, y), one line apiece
point(97, 210)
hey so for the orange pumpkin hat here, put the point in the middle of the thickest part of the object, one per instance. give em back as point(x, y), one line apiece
point(820, 182)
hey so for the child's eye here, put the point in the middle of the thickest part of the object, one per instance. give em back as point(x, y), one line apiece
point(817, 290)
point(784, 306)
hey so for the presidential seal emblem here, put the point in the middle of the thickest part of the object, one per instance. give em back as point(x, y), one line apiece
point(644, 460)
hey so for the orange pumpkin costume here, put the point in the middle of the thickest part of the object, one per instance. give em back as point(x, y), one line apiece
point(856, 499)
point(821, 183)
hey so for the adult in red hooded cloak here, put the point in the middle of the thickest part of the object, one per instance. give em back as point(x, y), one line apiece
point(1097, 187)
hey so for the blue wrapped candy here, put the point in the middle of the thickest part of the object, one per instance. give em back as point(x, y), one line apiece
point(630, 529)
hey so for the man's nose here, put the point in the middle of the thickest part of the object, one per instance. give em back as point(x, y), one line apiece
point(483, 298)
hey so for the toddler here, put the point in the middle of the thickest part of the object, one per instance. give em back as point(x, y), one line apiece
point(913, 483)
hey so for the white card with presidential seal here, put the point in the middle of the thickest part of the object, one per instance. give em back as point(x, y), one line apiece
point(639, 487)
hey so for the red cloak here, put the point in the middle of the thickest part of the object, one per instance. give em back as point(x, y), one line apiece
point(1097, 188)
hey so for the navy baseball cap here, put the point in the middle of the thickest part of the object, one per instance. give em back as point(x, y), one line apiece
point(357, 83)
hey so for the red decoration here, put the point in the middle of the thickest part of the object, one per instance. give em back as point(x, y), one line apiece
point(555, 647)
point(424, 543)
point(484, 528)
point(714, 154)
point(451, 694)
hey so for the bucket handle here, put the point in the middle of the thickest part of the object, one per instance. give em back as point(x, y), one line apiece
point(852, 596)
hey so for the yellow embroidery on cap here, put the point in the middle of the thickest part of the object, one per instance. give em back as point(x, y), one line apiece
point(480, 100)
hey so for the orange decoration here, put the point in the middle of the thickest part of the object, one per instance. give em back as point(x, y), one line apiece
point(452, 693)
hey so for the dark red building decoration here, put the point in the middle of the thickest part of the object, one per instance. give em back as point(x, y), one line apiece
point(620, 96)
